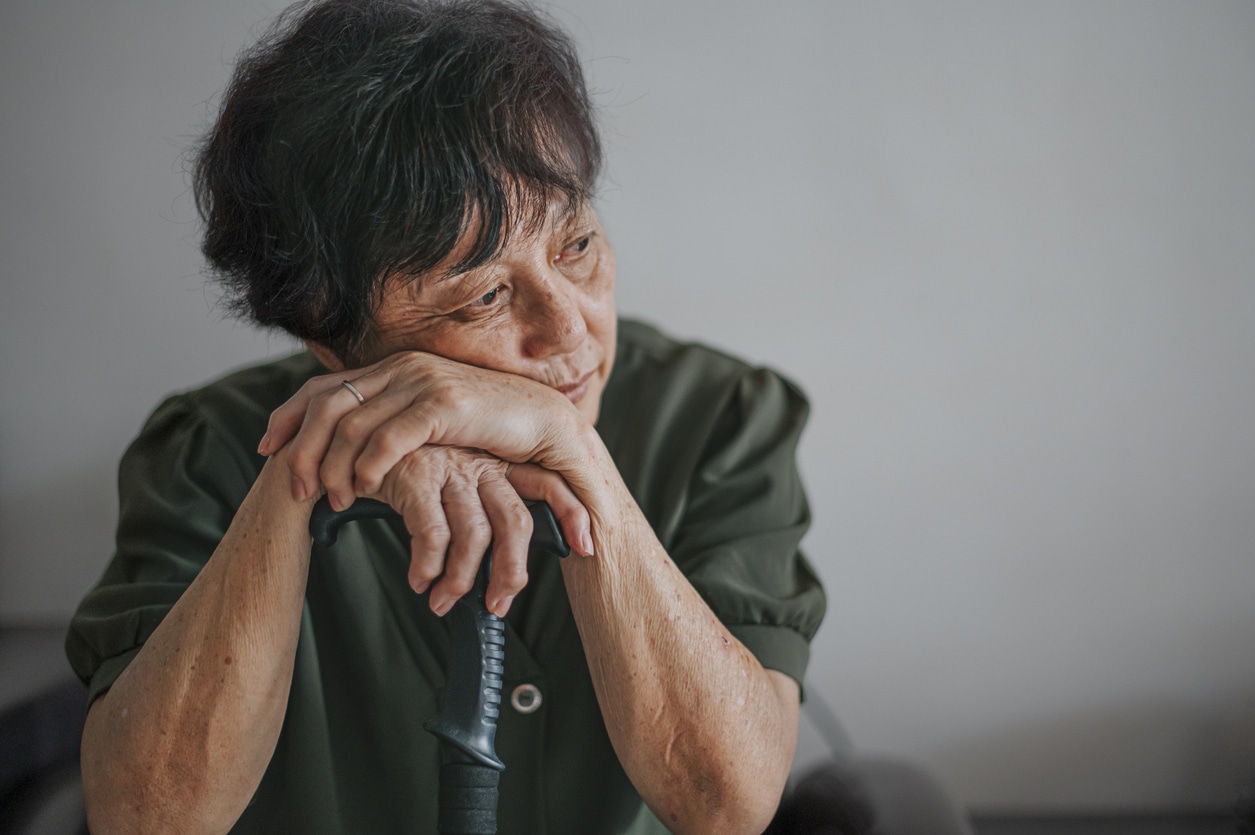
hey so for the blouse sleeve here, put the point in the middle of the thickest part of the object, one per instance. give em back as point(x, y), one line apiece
point(179, 484)
point(745, 513)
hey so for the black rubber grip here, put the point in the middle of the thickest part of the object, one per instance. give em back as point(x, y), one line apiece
point(324, 523)
point(467, 723)
point(468, 799)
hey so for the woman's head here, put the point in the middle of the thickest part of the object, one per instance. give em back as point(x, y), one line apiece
point(366, 141)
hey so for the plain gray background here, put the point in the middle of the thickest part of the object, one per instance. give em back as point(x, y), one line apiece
point(1008, 249)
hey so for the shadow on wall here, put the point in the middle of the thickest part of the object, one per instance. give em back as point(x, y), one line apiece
point(1095, 759)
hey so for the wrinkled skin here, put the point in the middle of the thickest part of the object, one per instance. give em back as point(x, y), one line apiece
point(475, 375)
point(480, 390)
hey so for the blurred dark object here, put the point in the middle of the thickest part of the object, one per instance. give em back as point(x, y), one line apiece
point(830, 799)
point(854, 794)
point(1245, 810)
point(40, 786)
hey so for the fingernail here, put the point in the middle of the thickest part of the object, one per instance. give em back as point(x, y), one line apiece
point(420, 586)
point(298, 489)
point(334, 501)
point(263, 448)
point(586, 543)
point(441, 608)
point(503, 606)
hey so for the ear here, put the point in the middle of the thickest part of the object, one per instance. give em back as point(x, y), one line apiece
point(325, 355)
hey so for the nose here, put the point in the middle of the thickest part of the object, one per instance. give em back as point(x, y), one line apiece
point(555, 321)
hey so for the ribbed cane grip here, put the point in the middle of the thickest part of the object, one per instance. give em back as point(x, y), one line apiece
point(467, 723)
point(467, 720)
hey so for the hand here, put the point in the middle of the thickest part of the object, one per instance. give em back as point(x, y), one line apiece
point(455, 502)
point(413, 399)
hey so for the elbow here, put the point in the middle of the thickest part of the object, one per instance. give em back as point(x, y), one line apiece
point(129, 786)
point(124, 803)
point(113, 798)
point(742, 804)
point(752, 812)
point(108, 804)
point(111, 806)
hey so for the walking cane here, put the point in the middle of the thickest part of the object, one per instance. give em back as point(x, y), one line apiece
point(467, 724)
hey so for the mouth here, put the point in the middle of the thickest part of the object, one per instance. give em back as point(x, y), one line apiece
point(576, 391)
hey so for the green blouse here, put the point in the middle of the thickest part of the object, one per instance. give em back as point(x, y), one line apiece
point(705, 443)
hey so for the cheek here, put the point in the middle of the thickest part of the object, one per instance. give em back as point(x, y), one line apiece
point(497, 349)
point(483, 347)
point(602, 320)
point(599, 308)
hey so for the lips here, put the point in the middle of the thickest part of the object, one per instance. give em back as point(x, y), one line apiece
point(575, 391)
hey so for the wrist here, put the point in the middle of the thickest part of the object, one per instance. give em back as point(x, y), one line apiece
point(578, 454)
point(274, 493)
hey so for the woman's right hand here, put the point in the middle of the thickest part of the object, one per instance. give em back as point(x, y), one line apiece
point(455, 502)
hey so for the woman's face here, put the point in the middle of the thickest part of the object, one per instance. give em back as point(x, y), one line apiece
point(542, 309)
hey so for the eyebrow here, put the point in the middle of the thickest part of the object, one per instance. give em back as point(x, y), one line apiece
point(563, 213)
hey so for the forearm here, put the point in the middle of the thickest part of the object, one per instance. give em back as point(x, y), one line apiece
point(704, 732)
point(180, 741)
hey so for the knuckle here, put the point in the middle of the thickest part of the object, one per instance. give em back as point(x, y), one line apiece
point(422, 569)
point(475, 535)
point(513, 575)
point(313, 386)
point(460, 582)
point(449, 398)
point(518, 518)
point(366, 476)
point(432, 537)
point(301, 459)
point(327, 475)
point(390, 443)
point(320, 405)
point(353, 426)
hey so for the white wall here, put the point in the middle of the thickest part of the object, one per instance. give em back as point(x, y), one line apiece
point(1008, 249)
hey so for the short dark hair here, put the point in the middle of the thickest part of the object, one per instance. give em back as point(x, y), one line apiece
point(361, 139)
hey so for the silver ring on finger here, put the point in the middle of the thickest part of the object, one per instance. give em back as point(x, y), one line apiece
point(361, 400)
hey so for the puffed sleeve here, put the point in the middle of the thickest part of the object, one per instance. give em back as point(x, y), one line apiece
point(179, 484)
point(746, 513)
point(708, 446)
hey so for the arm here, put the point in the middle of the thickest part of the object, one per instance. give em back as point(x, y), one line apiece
point(181, 740)
point(705, 733)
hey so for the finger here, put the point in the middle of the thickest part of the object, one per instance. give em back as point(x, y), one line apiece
point(511, 534)
point(422, 417)
point(536, 483)
point(351, 433)
point(470, 535)
point(417, 498)
point(464, 406)
point(326, 405)
point(286, 420)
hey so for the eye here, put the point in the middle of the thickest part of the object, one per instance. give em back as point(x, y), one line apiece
point(576, 249)
point(487, 299)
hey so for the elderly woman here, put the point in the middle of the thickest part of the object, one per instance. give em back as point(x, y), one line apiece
point(405, 186)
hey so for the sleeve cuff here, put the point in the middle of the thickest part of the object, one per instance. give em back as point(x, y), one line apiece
point(107, 673)
point(776, 648)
